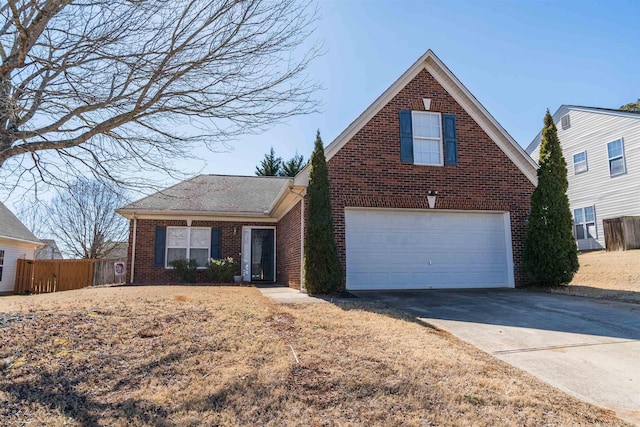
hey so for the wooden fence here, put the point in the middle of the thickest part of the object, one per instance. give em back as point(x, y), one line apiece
point(621, 234)
point(43, 276)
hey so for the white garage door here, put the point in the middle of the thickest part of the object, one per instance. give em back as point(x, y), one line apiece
point(396, 249)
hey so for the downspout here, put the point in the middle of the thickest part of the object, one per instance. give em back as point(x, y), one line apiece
point(133, 248)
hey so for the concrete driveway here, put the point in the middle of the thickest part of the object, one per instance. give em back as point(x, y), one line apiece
point(589, 348)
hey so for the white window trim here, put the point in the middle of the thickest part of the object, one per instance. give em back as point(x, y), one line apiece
point(439, 140)
point(585, 223)
point(622, 156)
point(167, 247)
point(586, 164)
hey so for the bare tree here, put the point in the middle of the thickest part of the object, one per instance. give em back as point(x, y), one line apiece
point(83, 221)
point(110, 87)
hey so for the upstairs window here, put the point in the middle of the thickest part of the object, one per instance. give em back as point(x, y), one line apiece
point(427, 138)
point(580, 163)
point(615, 151)
point(584, 220)
point(565, 122)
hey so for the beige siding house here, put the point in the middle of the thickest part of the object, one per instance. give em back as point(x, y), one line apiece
point(602, 150)
point(16, 241)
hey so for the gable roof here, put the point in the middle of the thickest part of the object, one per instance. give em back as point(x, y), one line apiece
point(12, 228)
point(462, 96)
point(565, 108)
point(214, 194)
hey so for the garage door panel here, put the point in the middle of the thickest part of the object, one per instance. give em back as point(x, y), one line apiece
point(430, 249)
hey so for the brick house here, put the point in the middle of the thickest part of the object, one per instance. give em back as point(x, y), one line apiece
point(427, 189)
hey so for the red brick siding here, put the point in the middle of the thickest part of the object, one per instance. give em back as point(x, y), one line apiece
point(288, 248)
point(367, 171)
point(146, 272)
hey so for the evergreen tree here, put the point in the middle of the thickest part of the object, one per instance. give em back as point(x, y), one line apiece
point(323, 271)
point(632, 106)
point(292, 166)
point(270, 165)
point(550, 253)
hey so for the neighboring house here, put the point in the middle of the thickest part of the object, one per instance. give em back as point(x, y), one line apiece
point(16, 241)
point(602, 150)
point(117, 250)
point(427, 190)
point(49, 250)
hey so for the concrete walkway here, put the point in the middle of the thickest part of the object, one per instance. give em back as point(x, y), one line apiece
point(287, 295)
point(587, 347)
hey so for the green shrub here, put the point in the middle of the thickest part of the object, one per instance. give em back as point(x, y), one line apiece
point(185, 269)
point(223, 270)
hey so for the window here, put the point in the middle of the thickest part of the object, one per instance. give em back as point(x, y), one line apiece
point(427, 138)
point(1, 262)
point(565, 122)
point(580, 163)
point(188, 242)
point(584, 220)
point(615, 150)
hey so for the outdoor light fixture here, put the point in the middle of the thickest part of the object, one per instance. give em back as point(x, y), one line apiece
point(431, 198)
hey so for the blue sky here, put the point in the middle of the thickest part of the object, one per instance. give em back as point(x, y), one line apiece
point(517, 57)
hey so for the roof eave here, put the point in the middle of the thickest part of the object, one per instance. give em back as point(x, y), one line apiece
point(34, 242)
point(132, 213)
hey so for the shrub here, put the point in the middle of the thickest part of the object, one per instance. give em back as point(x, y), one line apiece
point(185, 269)
point(223, 270)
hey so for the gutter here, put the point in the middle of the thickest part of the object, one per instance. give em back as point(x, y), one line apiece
point(130, 214)
point(37, 244)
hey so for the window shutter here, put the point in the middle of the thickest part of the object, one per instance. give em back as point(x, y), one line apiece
point(450, 140)
point(216, 240)
point(406, 137)
point(159, 246)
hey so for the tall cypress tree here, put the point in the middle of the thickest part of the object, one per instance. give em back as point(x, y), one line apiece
point(550, 252)
point(323, 271)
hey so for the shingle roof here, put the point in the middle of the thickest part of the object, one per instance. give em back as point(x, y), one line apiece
point(216, 193)
point(12, 228)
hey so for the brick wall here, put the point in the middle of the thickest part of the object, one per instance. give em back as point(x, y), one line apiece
point(367, 171)
point(288, 248)
point(146, 272)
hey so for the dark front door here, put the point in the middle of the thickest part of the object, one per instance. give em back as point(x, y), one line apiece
point(262, 255)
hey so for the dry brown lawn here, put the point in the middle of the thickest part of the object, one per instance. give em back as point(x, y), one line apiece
point(607, 275)
point(191, 356)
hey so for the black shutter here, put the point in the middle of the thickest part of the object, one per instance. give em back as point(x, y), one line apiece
point(159, 246)
point(216, 240)
point(450, 140)
point(406, 137)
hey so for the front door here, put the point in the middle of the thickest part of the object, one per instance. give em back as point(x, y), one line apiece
point(262, 255)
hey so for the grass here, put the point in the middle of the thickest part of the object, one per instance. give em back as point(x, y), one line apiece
point(190, 356)
point(606, 275)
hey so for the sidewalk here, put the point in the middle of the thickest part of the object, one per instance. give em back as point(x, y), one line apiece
point(285, 295)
